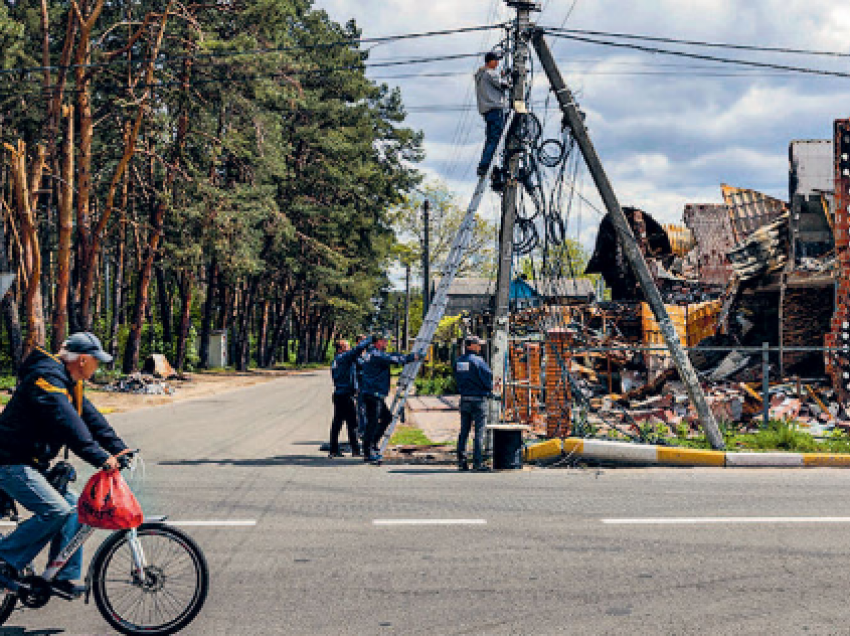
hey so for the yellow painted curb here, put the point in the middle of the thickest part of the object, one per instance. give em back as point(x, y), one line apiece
point(690, 457)
point(543, 450)
point(573, 446)
point(825, 459)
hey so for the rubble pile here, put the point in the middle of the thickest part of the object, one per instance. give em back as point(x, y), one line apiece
point(140, 384)
point(752, 271)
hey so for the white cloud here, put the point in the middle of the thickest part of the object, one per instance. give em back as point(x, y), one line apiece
point(669, 130)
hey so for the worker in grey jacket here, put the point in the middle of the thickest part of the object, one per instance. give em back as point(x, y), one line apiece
point(490, 90)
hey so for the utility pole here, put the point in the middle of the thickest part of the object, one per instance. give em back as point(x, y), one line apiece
point(426, 257)
point(406, 336)
point(574, 119)
point(501, 313)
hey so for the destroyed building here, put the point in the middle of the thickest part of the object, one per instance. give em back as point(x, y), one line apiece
point(753, 270)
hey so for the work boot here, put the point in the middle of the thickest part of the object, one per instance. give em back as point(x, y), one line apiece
point(333, 454)
point(464, 467)
point(482, 469)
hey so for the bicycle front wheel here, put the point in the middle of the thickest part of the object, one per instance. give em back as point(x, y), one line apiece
point(163, 599)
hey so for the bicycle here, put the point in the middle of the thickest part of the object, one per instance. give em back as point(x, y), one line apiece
point(157, 564)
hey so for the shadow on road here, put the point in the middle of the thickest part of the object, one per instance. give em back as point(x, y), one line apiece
point(23, 631)
point(279, 460)
point(423, 471)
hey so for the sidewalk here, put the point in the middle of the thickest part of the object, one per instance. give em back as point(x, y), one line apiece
point(436, 416)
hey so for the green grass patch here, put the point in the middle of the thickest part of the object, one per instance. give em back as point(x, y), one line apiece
point(409, 436)
point(777, 436)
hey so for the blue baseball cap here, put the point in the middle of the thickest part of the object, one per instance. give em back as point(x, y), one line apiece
point(87, 343)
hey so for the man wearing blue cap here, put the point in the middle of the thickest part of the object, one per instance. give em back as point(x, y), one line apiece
point(375, 386)
point(46, 412)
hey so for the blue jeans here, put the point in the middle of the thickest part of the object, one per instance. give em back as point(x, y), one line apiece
point(472, 412)
point(54, 520)
point(495, 121)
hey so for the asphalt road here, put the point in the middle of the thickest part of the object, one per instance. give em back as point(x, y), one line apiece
point(546, 552)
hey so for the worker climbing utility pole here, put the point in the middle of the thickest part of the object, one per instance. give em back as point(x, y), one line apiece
point(501, 314)
point(573, 118)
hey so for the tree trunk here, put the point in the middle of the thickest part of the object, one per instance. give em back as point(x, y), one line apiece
point(206, 321)
point(117, 290)
point(165, 309)
point(243, 327)
point(66, 229)
point(9, 308)
point(97, 235)
point(186, 285)
point(262, 332)
point(131, 352)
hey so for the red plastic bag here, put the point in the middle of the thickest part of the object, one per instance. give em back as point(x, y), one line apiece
point(108, 503)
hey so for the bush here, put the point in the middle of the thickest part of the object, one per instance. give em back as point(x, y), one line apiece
point(436, 385)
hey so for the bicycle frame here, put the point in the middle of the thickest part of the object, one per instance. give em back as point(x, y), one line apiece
point(76, 543)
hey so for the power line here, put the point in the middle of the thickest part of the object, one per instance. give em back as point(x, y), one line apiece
point(699, 56)
point(719, 45)
point(261, 51)
point(230, 78)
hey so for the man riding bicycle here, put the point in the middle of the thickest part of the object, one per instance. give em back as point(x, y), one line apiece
point(46, 412)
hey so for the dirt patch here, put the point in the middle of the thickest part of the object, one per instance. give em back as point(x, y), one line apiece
point(194, 386)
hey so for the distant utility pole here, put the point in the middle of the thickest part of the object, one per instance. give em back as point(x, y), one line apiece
point(406, 335)
point(426, 257)
point(501, 314)
point(575, 121)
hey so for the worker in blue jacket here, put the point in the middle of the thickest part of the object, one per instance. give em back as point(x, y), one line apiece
point(376, 363)
point(345, 389)
point(474, 381)
point(358, 377)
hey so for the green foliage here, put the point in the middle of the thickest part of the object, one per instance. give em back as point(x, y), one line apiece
point(779, 435)
point(436, 379)
point(281, 169)
point(446, 214)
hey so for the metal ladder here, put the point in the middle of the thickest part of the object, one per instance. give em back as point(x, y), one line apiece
point(441, 297)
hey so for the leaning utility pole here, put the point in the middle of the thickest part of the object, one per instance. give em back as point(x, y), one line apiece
point(575, 121)
point(501, 313)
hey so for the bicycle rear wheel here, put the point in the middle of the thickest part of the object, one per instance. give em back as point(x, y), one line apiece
point(170, 593)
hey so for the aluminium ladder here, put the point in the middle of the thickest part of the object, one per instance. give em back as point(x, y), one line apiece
point(441, 297)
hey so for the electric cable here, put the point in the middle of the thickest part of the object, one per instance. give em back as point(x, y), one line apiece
point(700, 56)
point(198, 57)
point(719, 45)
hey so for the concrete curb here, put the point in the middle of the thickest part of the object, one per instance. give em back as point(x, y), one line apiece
point(646, 454)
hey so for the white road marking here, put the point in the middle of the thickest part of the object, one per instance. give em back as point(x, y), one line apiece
point(429, 522)
point(227, 523)
point(696, 521)
point(224, 523)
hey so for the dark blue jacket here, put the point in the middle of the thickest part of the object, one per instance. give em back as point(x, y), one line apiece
point(473, 376)
point(48, 411)
point(376, 370)
point(343, 369)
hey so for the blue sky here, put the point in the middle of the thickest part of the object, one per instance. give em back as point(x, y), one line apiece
point(669, 130)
